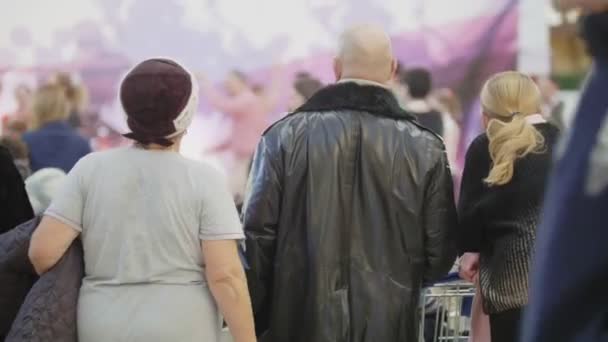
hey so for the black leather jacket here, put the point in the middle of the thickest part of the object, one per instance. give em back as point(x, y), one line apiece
point(350, 209)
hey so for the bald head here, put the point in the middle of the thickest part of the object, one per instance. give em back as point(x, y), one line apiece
point(365, 52)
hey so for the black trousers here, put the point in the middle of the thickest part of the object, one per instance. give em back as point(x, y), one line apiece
point(504, 326)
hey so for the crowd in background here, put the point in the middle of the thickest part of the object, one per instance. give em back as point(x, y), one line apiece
point(46, 128)
point(499, 207)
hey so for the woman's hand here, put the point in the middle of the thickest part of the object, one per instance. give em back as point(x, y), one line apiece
point(228, 285)
point(469, 266)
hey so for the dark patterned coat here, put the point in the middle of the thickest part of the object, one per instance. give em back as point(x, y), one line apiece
point(39, 309)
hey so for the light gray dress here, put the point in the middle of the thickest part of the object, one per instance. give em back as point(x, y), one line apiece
point(142, 215)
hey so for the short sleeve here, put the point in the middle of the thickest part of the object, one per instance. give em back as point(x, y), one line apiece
point(68, 204)
point(219, 217)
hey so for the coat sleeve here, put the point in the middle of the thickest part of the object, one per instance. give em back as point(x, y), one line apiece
point(439, 220)
point(15, 204)
point(261, 212)
point(476, 168)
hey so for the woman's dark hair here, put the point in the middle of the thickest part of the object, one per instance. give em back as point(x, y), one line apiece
point(306, 85)
point(153, 95)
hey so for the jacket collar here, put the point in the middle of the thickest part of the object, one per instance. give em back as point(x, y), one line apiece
point(360, 81)
point(373, 99)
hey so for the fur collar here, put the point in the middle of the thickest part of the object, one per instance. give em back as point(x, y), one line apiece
point(352, 96)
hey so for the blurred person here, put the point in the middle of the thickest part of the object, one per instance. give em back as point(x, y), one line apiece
point(158, 230)
point(349, 210)
point(14, 124)
point(23, 97)
point(15, 208)
point(304, 87)
point(502, 190)
point(249, 113)
point(42, 186)
point(553, 106)
point(448, 104)
point(18, 149)
point(53, 142)
point(568, 287)
point(13, 128)
point(76, 94)
point(419, 84)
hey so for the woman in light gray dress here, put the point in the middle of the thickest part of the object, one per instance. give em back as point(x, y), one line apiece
point(159, 231)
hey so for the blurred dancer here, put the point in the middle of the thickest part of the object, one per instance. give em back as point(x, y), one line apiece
point(249, 113)
point(304, 87)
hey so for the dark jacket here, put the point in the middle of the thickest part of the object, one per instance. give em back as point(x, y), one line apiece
point(39, 309)
point(500, 222)
point(349, 211)
point(568, 285)
point(56, 144)
point(15, 207)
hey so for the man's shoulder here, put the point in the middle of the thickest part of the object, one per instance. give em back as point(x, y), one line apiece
point(287, 121)
point(418, 134)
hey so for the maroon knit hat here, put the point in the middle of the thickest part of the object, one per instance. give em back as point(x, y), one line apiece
point(158, 96)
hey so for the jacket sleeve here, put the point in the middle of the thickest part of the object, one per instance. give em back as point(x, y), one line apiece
point(439, 220)
point(15, 204)
point(476, 168)
point(261, 212)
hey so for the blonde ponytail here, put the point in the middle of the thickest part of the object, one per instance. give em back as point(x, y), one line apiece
point(508, 142)
point(507, 98)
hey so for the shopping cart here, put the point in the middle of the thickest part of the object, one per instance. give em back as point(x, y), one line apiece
point(445, 311)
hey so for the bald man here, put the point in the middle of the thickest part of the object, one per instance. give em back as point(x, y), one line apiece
point(349, 209)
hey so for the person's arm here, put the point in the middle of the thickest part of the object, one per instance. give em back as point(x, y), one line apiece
point(220, 229)
point(228, 285)
point(62, 222)
point(440, 220)
point(261, 212)
point(14, 203)
point(49, 242)
point(476, 168)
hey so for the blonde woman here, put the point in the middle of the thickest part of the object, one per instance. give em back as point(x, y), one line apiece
point(53, 142)
point(501, 196)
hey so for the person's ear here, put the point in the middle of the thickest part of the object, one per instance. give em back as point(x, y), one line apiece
point(337, 69)
point(485, 120)
point(394, 66)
